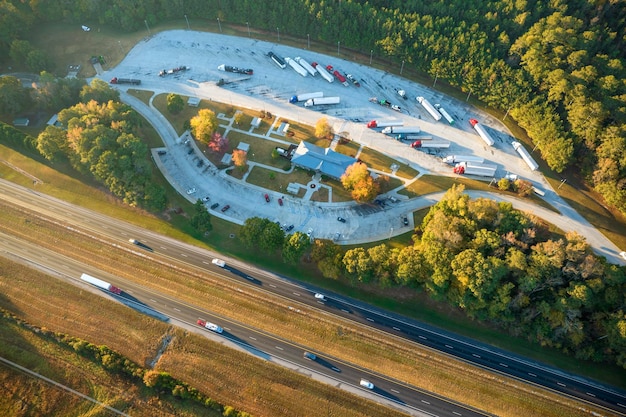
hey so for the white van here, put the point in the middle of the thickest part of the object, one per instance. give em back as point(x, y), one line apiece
point(219, 262)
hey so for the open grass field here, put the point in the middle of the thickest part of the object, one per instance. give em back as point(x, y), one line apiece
point(345, 341)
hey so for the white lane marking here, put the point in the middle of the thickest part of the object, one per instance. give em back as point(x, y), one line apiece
point(621, 405)
point(176, 309)
point(504, 364)
point(205, 262)
point(182, 254)
point(531, 374)
point(252, 337)
point(279, 348)
point(395, 328)
point(422, 337)
point(590, 394)
point(272, 285)
point(297, 294)
point(368, 319)
point(458, 414)
point(561, 384)
point(163, 247)
point(476, 356)
point(395, 390)
point(449, 347)
point(153, 300)
point(345, 311)
point(425, 402)
point(336, 369)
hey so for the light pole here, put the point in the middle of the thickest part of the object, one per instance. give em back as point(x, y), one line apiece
point(308, 41)
point(436, 75)
point(338, 47)
point(561, 184)
point(219, 24)
point(248, 24)
point(468, 94)
point(390, 232)
point(188, 28)
point(278, 32)
point(402, 67)
point(371, 54)
point(147, 27)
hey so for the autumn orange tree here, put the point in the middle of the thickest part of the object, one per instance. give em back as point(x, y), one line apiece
point(239, 158)
point(360, 183)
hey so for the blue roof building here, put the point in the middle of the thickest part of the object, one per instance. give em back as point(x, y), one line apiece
point(322, 160)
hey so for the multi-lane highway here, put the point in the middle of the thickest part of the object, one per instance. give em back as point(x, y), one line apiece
point(471, 351)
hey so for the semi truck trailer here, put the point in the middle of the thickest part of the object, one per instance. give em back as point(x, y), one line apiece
point(277, 60)
point(445, 114)
point(305, 65)
point(322, 100)
point(133, 81)
point(384, 123)
point(391, 130)
point(100, 284)
point(473, 168)
point(306, 96)
point(455, 159)
point(435, 144)
point(482, 132)
point(412, 136)
point(325, 74)
point(532, 164)
point(429, 108)
point(296, 67)
point(236, 70)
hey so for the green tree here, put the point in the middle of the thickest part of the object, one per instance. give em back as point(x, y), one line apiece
point(52, 143)
point(13, 97)
point(201, 219)
point(175, 103)
point(295, 246)
point(358, 264)
point(251, 230)
point(98, 91)
point(204, 125)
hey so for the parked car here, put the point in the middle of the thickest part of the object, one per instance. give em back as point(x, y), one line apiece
point(267, 198)
point(310, 356)
point(289, 228)
point(226, 207)
point(205, 199)
point(280, 201)
point(341, 219)
point(367, 384)
point(214, 206)
point(405, 221)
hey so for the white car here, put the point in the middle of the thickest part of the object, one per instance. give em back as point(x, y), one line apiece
point(320, 297)
point(623, 254)
point(191, 191)
point(218, 262)
point(367, 384)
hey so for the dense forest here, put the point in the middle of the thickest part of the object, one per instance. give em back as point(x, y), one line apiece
point(557, 67)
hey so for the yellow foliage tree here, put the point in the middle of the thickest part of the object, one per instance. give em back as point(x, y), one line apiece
point(360, 183)
point(204, 125)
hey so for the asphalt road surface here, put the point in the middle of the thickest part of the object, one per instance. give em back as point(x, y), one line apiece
point(463, 348)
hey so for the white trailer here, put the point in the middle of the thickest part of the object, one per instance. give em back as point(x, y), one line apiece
point(429, 108)
point(305, 96)
point(532, 164)
point(325, 74)
point(439, 144)
point(305, 65)
point(392, 130)
point(100, 284)
point(277, 60)
point(384, 123)
point(322, 100)
point(445, 114)
point(455, 159)
point(473, 168)
point(296, 67)
point(482, 132)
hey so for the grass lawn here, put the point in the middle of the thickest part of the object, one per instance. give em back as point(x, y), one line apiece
point(276, 181)
point(377, 160)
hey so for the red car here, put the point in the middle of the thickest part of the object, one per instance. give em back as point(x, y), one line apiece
point(280, 201)
point(267, 198)
point(226, 207)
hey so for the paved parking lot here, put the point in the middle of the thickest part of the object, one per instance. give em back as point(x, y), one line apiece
point(269, 89)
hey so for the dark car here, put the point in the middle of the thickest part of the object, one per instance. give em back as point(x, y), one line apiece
point(280, 201)
point(341, 219)
point(267, 198)
point(310, 356)
point(214, 206)
point(405, 221)
point(226, 207)
point(289, 228)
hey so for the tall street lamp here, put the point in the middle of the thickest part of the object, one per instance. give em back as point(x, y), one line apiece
point(278, 32)
point(402, 68)
point(338, 47)
point(371, 54)
point(219, 24)
point(248, 24)
point(308, 41)
point(147, 27)
point(188, 28)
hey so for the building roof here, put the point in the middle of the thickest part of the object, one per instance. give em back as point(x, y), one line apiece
point(323, 160)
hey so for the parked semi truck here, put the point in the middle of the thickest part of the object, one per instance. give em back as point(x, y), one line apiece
point(182, 68)
point(236, 70)
point(532, 164)
point(384, 123)
point(482, 132)
point(401, 129)
point(429, 108)
point(412, 136)
point(445, 114)
point(100, 284)
point(133, 81)
point(296, 67)
point(305, 65)
point(338, 76)
point(306, 96)
point(277, 60)
point(439, 144)
point(473, 168)
point(325, 74)
point(322, 100)
point(211, 326)
point(455, 159)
